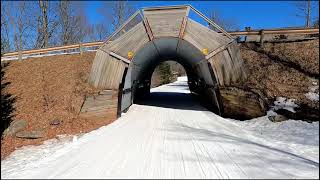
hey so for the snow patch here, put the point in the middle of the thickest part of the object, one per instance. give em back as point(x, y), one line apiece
point(182, 78)
point(313, 93)
point(284, 103)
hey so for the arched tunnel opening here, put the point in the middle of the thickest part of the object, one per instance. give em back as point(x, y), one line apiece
point(201, 79)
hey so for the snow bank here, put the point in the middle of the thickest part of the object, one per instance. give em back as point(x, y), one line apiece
point(294, 136)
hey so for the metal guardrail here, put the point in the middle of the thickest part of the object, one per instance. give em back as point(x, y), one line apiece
point(99, 43)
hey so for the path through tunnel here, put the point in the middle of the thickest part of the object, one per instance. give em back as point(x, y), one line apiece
point(201, 79)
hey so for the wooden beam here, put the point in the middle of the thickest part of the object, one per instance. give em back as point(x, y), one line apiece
point(127, 61)
point(148, 29)
point(165, 7)
point(219, 49)
point(183, 27)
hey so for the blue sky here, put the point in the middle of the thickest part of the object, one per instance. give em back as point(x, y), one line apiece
point(256, 14)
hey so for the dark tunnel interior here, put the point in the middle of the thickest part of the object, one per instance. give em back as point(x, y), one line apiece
point(201, 78)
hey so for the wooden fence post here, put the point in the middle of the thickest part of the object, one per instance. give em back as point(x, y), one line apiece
point(80, 48)
point(19, 55)
point(261, 38)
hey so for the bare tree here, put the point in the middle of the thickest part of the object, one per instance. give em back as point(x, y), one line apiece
point(73, 22)
point(47, 23)
point(305, 9)
point(117, 12)
point(226, 24)
point(5, 41)
point(101, 31)
point(20, 20)
point(43, 19)
point(97, 32)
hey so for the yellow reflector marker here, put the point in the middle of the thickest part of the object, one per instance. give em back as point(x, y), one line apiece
point(205, 51)
point(130, 54)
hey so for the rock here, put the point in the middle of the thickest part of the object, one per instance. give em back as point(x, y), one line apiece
point(241, 104)
point(55, 122)
point(279, 118)
point(271, 118)
point(30, 134)
point(15, 126)
point(303, 112)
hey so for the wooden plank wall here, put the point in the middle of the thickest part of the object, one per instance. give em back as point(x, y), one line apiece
point(103, 105)
point(132, 40)
point(203, 37)
point(106, 71)
point(228, 65)
point(165, 22)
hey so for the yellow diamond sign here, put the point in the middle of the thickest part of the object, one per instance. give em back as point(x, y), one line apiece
point(130, 54)
point(205, 51)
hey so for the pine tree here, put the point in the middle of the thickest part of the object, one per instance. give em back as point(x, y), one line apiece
point(165, 73)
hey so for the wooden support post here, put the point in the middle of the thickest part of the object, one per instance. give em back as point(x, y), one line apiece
point(20, 55)
point(261, 38)
point(80, 48)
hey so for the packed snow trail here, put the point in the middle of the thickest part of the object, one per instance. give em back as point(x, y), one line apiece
point(169, 136)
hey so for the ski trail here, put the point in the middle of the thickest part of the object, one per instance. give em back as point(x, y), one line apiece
point(172, 137)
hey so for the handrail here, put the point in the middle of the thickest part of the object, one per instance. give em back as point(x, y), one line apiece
point(277, 31)
point(234, 33)
point(59, 48)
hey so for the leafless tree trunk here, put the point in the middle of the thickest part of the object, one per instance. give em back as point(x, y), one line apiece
point(117, 12)
point(226, 24)
point(73, 23)
point(5, 41)
point(43, 34)
point(64, 9)
point(19, 25)
point(305, 9)
point(101, 32)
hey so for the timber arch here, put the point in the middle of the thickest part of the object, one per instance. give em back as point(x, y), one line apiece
point(210, 57)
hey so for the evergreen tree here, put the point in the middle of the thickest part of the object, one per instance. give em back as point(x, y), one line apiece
point(165, 73)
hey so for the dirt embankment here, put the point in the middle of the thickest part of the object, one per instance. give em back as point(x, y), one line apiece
point(283, 70)
point(50, 88)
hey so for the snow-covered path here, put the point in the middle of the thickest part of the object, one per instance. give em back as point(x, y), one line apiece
point(158, 139)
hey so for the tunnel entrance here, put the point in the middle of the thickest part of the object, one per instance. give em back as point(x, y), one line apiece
point(125, 61)
point(201, 78)
point(175, 95)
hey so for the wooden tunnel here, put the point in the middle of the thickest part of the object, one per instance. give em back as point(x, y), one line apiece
point(127, 58)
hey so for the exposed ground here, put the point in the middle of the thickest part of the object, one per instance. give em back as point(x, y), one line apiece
point(49, 88)
point(175, 137)
point(283, 70)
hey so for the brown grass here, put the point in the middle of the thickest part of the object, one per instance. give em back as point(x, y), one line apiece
point(276, 79)
point(305, 53)
point(50, 88)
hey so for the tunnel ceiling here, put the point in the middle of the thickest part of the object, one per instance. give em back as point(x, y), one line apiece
point(163, 49)
point(166, 33)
